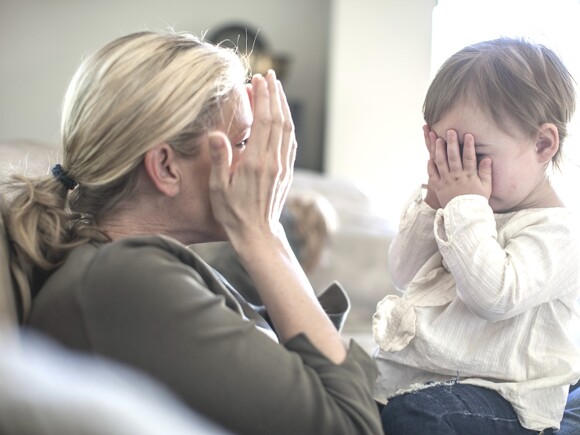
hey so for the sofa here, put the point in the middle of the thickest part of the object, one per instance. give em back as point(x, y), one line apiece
point(355, 252)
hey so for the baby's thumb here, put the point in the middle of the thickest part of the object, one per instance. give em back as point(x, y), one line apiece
point(484, 172)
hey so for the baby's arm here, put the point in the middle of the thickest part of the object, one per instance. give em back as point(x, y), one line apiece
point(415, 242)
point(532, 261)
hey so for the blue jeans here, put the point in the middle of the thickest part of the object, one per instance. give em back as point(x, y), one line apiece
point(451, 409)
point(571, 423)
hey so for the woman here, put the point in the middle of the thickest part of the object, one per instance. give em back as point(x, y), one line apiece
point(164, 146)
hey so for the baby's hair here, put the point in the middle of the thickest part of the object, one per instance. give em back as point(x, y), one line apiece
point(512, 79)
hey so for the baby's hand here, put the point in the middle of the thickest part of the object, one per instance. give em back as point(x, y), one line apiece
point(452, 174)
point(430, 141)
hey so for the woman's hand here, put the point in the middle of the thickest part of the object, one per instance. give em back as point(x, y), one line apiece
point(247, 199)
point(453, 173)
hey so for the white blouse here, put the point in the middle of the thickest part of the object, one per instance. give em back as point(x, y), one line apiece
point(489, 300)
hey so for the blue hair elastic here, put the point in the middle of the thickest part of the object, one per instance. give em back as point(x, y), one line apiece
point(61, 176)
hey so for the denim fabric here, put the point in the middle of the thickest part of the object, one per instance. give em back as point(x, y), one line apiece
point(451, 409)
point(571, 423)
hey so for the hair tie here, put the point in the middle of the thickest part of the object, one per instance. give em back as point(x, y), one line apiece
point(61, 176)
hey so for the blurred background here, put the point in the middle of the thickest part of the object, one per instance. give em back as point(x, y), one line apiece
point(355, 71)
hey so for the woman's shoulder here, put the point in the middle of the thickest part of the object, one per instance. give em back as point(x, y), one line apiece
point(145, 258)
point(147, 271)
point(143, 262)
point(131, 248)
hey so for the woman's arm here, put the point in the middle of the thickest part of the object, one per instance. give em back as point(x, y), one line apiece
point(154, 305)
point(247, 200)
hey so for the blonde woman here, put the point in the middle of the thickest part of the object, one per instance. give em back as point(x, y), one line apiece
point(165, 146)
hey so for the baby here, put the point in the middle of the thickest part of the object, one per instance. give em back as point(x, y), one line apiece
point(488, 257)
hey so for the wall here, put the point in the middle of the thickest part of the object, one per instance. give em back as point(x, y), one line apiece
point(378, 75)
point(379, 71)
point(42, 41)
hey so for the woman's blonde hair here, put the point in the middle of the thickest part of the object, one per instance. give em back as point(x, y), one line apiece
point(510, 78)
point(139, 90)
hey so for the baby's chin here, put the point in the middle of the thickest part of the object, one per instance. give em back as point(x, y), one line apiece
point(497, 206)
point(501, 207)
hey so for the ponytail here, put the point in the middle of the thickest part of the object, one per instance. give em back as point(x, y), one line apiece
point(39, 229)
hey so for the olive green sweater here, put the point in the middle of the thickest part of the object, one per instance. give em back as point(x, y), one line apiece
point(155, 305)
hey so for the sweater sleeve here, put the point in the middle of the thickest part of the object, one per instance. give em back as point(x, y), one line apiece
point(534, 261)
point(154, 312)
point(414, 243)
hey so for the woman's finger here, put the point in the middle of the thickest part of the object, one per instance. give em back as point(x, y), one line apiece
point(221, 161)
point(287, 149)
point(277, 116)
point(260, 135)
point(250, 92)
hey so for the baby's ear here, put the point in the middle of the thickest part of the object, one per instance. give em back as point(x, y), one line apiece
point(547, 142)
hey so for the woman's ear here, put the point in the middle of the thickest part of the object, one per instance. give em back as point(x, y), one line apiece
point(547, 142)
point(162, 169)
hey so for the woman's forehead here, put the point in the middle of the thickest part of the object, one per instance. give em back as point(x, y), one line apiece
point(237, 112)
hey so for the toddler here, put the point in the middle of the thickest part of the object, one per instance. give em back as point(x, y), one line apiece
point(488, 257)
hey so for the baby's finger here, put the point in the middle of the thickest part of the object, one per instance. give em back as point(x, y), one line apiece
point(430, 139)
point(484, 171)
point(440, 158)
point(469, 156)
point(426, 131)
point(453, 152)
point(432, 171)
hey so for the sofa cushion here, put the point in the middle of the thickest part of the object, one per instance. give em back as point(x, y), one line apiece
point(26, 157)
point(8, 316)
